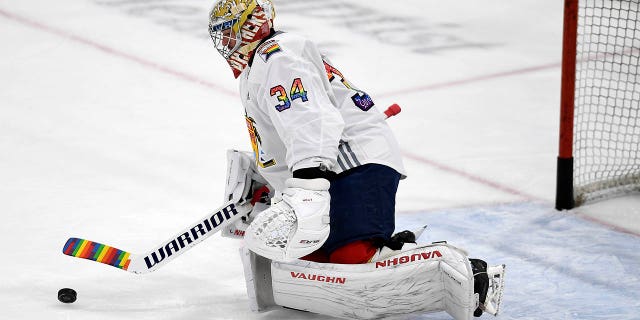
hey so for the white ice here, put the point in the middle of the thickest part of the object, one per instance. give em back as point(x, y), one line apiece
point(115, 116)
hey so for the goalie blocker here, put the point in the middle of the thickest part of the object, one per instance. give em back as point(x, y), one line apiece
point(428, 278)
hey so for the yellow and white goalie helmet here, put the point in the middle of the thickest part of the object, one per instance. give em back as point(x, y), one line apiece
point(237, 27)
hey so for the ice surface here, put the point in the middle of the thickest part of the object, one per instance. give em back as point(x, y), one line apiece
point(115, 117)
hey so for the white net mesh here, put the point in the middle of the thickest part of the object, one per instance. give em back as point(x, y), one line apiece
point(607, 102)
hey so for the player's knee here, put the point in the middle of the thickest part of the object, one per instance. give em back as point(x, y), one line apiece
point(319, 256)
point(355, 252)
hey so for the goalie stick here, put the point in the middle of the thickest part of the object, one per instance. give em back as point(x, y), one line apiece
point(166, 251)
point(229, 213)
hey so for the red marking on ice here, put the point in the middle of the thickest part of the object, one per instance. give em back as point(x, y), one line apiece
point(471, 177)
point(118, 53)
point(481, 78)
point(607, 224)
point(202, 82)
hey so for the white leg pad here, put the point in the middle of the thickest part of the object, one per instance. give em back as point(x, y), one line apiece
point(428, 278)
point(257, 275)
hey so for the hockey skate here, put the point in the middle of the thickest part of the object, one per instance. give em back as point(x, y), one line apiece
point(489, 285)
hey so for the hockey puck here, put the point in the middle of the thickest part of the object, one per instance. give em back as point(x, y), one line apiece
point(67, 295)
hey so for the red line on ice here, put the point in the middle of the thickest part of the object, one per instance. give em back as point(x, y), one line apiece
point(455, 83)
point(470, 176)
point(118, 53)
point(607, 224)
point(194, 79)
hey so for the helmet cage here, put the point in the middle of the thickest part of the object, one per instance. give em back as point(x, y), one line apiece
point(223, 33)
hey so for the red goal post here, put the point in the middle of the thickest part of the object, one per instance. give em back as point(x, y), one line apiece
point(599, 137)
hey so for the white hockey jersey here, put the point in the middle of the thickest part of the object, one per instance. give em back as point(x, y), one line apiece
point(301, 112)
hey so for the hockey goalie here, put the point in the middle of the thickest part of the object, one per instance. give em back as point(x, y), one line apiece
point(322, 179)
point(399, 277)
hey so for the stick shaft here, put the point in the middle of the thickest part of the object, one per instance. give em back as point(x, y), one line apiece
point(164, 252)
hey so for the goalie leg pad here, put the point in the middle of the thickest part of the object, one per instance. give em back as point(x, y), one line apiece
point(257, 275)
point(428, 278)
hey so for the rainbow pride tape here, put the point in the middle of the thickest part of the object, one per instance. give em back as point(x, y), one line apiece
point(95, 251)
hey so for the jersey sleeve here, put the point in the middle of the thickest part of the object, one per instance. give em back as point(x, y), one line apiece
point(296, 100)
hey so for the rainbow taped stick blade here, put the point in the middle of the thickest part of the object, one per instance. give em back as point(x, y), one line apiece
point(166, 251)
point(98, 252)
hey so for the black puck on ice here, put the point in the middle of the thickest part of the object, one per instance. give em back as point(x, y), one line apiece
point(67, 295)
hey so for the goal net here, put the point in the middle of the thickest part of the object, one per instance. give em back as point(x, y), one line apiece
point(604, 103)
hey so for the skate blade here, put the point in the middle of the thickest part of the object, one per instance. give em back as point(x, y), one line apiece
point(494, 297)
point(418, 232)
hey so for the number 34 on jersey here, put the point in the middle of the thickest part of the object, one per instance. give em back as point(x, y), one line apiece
point(285, 97)
point(297, 92)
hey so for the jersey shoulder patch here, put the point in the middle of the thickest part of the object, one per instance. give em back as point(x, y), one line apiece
point(268, 49)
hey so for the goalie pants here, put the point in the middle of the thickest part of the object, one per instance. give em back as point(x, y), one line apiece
point(363, 203)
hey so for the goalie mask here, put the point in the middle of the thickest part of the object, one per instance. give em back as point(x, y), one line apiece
point(237, 27)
